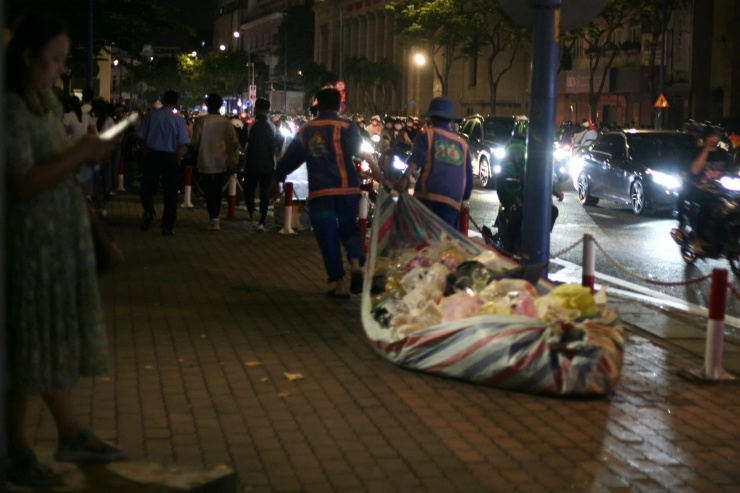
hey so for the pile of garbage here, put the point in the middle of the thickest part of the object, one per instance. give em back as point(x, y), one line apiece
point(416, 289)
point(438, 302)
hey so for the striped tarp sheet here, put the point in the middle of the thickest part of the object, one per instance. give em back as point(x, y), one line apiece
point(505, 351)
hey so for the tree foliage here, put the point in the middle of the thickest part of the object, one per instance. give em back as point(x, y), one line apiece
point(374, 81)
point(501, 39)
point(127, 24)
point(441, 27)
point(294, 44)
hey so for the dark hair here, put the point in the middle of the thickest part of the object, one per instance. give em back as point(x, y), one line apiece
point(87, 94)
point(262, 104)
point(74, 104)
point(170, 98)
point(214, 102)
point(328, 99)
point(33, 32)
point(100, 110)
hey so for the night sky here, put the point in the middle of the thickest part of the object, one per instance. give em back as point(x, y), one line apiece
point(196, 14)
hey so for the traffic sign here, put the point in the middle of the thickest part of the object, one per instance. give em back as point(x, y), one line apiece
point(662, 102)
point(340, 85)
point(342, 107)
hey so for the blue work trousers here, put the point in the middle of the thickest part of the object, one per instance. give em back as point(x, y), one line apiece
point(334, 220)
point(449, 214)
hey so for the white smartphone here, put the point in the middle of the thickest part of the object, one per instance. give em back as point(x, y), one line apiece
point(119, 127)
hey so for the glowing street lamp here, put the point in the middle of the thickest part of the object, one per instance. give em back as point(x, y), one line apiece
point(222, 47)
point(420, 59)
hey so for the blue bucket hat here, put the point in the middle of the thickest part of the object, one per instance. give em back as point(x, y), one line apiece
point(443, 108)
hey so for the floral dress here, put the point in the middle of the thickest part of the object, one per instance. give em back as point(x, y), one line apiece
point(55, 321)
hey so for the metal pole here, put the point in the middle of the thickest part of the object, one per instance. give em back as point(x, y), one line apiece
point(285, 80)
point(538, 169)
point(89, 74)
point(663, 44)
point(3, 327)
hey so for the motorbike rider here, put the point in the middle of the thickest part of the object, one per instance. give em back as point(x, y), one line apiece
point(578, 136)
point(395, 140)
point(410, 129)
point(510, 191)
point(708, 165)
point(376, 126)
point(590, 136)
point(360, 121)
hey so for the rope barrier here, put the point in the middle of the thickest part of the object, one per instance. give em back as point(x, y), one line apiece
point(566, 249)
point(734, 291)
point(645, 279)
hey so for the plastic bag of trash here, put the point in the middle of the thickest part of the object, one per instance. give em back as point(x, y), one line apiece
point(438, 302)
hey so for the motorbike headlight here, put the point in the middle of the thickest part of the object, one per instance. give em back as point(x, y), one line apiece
point(499, 152)
point(730, 183)
point(366, 147)
point(665, 180)
point(375, 138)
point(561, 153)
point(398, 163)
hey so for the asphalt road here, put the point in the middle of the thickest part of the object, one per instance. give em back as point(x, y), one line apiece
point(641, 244)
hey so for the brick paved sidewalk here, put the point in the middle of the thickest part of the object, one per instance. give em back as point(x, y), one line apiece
point(189, 314)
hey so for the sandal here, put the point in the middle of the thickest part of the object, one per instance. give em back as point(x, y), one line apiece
point(333, 294)
point(77, 450)
point(24, 469)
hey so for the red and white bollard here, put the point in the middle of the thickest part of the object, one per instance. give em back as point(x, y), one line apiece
point(188, 187)
point(712, 369)
point(232, 198)
point(121, 169)
point(464, 219)
point(362, 218)
point(589, 262)
point(288, 216)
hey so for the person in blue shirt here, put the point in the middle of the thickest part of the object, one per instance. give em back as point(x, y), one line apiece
point(443, 157)
point(166, 135)
point(327, 144)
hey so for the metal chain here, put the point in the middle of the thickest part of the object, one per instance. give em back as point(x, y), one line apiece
point(644, 279)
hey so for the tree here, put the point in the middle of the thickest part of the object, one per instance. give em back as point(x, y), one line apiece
point(295, 41)
point(375, 81)
point(128, 24)
point(654, 16)
point(504, 39)
point(315, 76)
point(442, 27)
point(601, 48)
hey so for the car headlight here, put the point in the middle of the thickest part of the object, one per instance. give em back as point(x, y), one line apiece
point(499, 152)
point(665, 180)
point(496, 169)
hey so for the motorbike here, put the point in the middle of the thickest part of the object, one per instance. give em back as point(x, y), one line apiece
point(367, 184)
point(727, 244)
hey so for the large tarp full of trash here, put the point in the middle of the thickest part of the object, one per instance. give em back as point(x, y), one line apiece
point(438, 302)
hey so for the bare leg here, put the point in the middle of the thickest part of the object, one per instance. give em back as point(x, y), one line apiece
point(68, 423)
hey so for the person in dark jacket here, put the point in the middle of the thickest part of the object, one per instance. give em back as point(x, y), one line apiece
point(443, 157)
point(326, 144)
point(263, 145)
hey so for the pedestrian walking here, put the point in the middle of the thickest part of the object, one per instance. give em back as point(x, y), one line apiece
point(165, 135)
point(55, 331)
point(443, 157)
point(264, 143)
point(327, 145)
point(217, 149)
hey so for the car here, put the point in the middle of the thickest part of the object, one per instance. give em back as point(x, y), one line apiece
point(642, 168)
point(487, 137)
